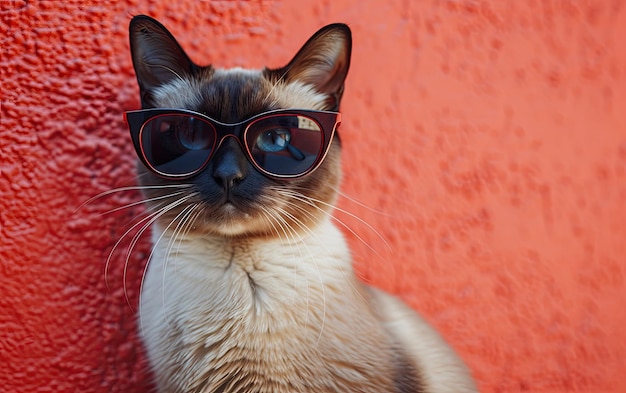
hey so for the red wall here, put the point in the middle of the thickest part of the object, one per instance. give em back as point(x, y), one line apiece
point(489, 136)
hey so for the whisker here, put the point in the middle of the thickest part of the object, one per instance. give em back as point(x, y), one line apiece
point(355, 290)
point(268, 218)
point(142, 202)
point(155, 216)
point(181, 217)
point(284, 225)
point(275, 85)
point(143, 276)
point(303, 211)
point(150, 220)
point(117, 243)
point(311, 202)
point(128, 188)
point(362, 221)
point(191, 219)
point(309, 231)
point(290, 232)
point(305, 199)
point(165, 67)
point(271, 217)
point(359, 203)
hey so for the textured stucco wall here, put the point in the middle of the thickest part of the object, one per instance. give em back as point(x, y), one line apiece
point(487, 137)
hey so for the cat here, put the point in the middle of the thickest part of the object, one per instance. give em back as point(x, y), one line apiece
point(249, 287)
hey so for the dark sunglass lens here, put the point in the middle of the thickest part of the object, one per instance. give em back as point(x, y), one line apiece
point(285, 145)
point(177, 144)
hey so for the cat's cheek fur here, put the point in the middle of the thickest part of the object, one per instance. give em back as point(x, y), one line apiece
point(296, 95)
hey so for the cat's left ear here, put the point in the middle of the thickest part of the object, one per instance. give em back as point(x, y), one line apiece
point(157, 56)
point(322, 62)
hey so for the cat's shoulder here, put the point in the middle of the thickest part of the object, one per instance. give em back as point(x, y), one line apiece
point(438, 367)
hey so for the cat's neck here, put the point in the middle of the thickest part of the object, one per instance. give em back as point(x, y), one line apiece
point(267, 272)
point(260, 302)
point(215, 252)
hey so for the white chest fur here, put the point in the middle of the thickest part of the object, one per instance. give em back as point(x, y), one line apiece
point(210, 307)
point(284, 316)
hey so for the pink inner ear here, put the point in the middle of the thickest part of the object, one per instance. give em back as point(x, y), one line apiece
point(321, 70)
point(324, 60)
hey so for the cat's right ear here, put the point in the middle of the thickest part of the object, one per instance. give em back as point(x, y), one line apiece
point(322, 63)
point(157, 56)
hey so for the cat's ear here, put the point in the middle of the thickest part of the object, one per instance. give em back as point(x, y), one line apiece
point(322, 62)
point(157, 57)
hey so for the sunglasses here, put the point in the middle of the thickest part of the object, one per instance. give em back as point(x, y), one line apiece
point(285, 143)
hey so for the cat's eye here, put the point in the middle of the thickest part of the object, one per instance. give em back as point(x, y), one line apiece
point(174, 143)
point(274, 140)
point(282, 144)
point(193, 134)
point(286, 144)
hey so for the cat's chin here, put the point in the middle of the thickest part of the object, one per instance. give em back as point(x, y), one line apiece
point(233, 221)
point(230, 221)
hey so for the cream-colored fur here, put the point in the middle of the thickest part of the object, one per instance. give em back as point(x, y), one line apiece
point(279, 315)
point(184, 92)
point(256, 294)
point(440, 367)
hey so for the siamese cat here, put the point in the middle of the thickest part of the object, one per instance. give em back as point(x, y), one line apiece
point(249, 287)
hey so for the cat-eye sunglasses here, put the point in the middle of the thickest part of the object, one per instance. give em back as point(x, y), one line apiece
point(285, 143)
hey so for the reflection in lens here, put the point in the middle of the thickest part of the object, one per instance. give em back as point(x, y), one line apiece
point(191, 135)
point(278, 154)
point(273, 140)
point(177, 144)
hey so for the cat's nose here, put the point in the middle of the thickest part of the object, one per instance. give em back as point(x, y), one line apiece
point(230, 166)
point(228, 176)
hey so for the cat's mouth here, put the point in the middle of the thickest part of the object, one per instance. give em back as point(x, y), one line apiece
point(230, 218)
point(230, 204)
point(229, 209)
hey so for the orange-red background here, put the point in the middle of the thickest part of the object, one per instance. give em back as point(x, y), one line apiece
point(488, 136)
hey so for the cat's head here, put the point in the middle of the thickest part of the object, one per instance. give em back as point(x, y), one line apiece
point(230, 195)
